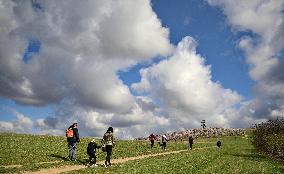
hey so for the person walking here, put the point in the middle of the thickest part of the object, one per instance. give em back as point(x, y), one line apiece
point(218, 145)
point(72, 135)
point(164, 141)
point(92, 150)
point(152, 139)
point(108, 142)
point(190, 141)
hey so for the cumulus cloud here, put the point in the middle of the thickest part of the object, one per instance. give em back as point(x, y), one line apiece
point(182, 86)
point(264, 52)
point(22, 124)
point(82, 46)
point(94, 123)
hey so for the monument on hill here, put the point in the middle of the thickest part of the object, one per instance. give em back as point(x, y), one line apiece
point(203, 125)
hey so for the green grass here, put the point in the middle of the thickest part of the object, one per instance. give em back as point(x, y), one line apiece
point(29, 150)
point(22, 149)
point(236, 156)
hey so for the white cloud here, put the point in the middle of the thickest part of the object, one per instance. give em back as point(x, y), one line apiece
point(263, 51)
point(264, 18)
point(183, 87)
point(180, 93)
point(22, 124)
point(6, 126)
point(84, 47)
point(94, 122)
point(81, 50)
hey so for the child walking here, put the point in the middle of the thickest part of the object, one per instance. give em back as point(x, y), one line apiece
point(91, 150)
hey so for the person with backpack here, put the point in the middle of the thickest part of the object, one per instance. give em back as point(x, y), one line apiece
point(91, 150)
point(164, 141)
point(152, 138)
point(108, 144)
point(72, 135)
point(190, 141)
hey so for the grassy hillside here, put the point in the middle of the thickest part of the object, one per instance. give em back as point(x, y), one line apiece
point(237, 156)
point(30, 150)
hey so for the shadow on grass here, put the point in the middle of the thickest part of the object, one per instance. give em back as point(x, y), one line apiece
point(250, 154)
point(60, 157)
point(83, 161)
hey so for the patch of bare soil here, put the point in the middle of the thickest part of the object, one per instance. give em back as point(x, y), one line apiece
point(20, 165)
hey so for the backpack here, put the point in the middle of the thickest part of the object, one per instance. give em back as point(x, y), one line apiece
point(164, 139)
point(69, 133)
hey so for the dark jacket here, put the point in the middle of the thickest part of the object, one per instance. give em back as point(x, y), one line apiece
point(76, 137)
point(92, 148)
point(190, 140)
point(218, 144)
point(152, 137)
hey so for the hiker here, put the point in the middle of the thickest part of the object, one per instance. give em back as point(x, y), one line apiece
point(164, 141)
point(72, 135)
point(91, 150)
point(218, 145)
point(190, 141)
point(175, 138)
point(108, 143)
point(152, 138)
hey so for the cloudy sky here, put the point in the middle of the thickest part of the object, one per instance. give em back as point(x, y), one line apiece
point(140, 66)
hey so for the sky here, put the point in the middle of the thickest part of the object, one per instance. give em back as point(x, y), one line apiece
point(139, 66)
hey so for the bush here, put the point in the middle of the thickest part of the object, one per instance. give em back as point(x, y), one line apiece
point(268, 137)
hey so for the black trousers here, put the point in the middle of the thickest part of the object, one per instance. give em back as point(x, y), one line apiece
point(190, 145)
point(92, 158)
point(109, 153)
point(152, 143)
point(164, 145)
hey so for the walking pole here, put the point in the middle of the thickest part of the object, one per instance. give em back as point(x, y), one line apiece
point(67, 156)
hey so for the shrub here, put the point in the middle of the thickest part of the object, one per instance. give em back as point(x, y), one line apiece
point(268, 137)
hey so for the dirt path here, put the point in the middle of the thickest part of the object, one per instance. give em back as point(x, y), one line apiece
point(11, 166)
point(50, 162)
point(69, 168)
point(20, 165)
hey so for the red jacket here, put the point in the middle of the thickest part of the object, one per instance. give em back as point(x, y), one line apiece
point(152, 137)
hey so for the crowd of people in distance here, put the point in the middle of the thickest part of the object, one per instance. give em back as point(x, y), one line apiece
point(202, 132)
point(165, 139)
point(107, 142)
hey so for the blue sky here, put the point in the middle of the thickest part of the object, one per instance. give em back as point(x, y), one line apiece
point(206, 24)
point(103, 64)
point(216, 42)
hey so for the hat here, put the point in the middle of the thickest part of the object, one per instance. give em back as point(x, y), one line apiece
point(93, 140)
point(110, 129)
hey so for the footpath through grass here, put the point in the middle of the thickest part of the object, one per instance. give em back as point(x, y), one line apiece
point(236, 156)
point(30, 150)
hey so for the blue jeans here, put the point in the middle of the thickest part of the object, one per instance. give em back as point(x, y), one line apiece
point(72, 150)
